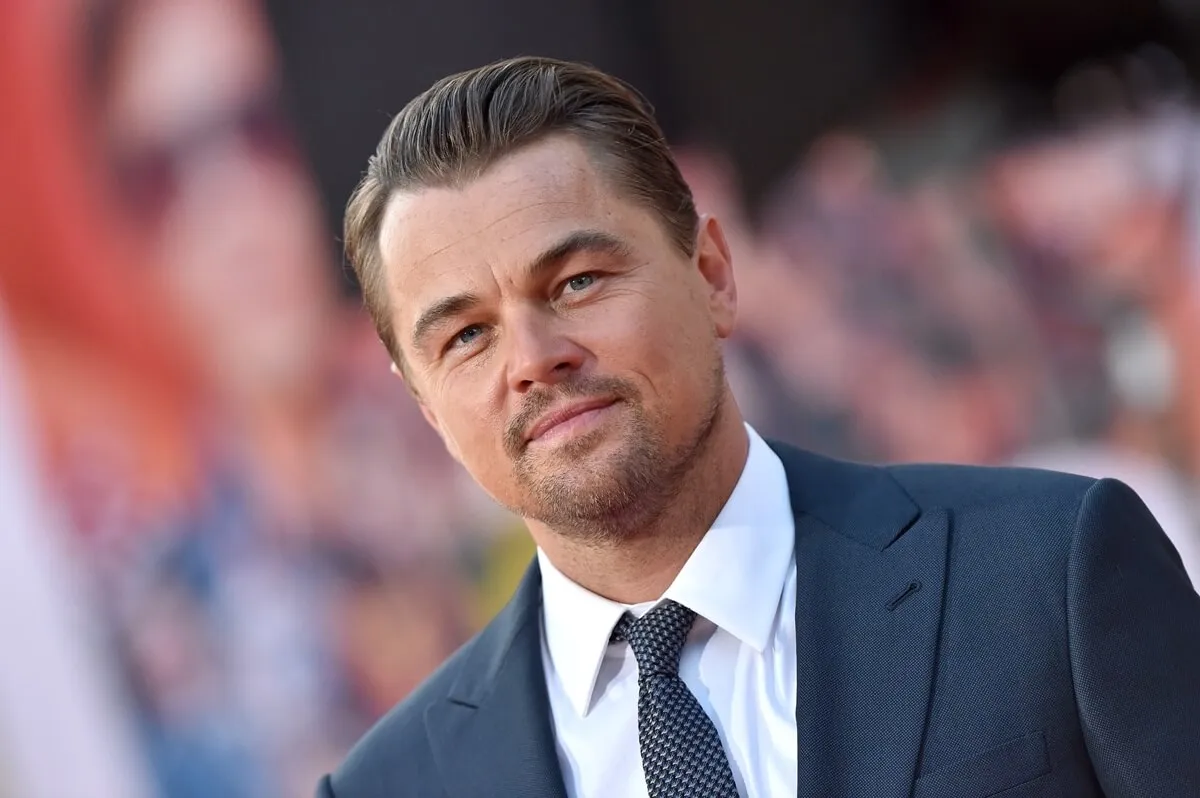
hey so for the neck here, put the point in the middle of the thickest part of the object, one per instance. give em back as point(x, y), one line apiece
point(631, 569)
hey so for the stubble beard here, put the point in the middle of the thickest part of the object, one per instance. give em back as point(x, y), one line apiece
point(604, 498)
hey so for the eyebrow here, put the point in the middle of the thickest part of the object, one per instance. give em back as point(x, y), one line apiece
point(596, 241)
point(438, 312)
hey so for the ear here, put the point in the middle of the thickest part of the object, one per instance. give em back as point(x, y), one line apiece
point(715, 263)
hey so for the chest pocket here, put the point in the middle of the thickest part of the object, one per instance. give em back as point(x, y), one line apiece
point(999, 771)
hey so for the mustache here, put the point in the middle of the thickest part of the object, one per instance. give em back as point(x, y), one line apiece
point(538, 402)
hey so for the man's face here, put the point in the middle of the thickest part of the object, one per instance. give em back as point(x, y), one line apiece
point(565, 350)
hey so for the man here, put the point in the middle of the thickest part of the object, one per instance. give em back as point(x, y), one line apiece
point(709, 614)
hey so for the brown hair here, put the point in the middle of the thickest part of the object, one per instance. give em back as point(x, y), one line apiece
point(451, 133)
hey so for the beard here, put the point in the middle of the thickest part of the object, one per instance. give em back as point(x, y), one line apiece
point(608, 484)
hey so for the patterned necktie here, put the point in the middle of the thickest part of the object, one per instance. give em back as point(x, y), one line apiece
point(681, 752)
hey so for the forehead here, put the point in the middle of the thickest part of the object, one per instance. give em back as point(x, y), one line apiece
point(439, 241)
point(545, 185)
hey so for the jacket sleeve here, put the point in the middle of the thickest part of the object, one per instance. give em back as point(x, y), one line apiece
point(1134, 634)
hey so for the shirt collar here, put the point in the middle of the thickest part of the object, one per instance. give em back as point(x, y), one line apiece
point(734, 578)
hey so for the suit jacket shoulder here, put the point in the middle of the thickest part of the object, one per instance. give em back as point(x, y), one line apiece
point(1067, 583)
point(400, 736)
point(989, 487)
point(455, 732)
point(1017, 513)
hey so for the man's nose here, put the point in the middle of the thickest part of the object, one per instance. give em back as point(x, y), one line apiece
point(540, 351)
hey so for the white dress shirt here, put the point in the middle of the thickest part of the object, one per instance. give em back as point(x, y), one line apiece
point(739, 661)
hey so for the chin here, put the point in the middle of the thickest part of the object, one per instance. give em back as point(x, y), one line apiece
point(587, 515)
point(589, 486)
point(589, 444)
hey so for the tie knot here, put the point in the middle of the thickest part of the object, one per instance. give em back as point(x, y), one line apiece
point(657, 637)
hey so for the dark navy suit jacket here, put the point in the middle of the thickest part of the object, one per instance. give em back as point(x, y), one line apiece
point(960, 633)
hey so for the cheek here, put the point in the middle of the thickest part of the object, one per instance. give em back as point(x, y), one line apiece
point(668, 342)
point(640, 328)
point(474, 431)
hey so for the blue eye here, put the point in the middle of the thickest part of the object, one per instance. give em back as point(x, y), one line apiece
point(468, 334)
point(580, 281)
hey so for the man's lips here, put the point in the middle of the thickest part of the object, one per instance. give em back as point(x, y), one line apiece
point(552, 419)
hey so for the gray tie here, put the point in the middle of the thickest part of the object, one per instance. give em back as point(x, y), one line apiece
point(681, 752)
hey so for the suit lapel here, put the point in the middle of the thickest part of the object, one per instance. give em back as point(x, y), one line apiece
point(492, 736)
point(870, 577)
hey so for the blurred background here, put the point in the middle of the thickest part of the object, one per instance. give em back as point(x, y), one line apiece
point(964, 231)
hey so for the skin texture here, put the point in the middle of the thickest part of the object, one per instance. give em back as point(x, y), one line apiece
point(537, 287)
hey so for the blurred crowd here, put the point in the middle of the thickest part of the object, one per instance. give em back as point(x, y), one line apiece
point(229, 541)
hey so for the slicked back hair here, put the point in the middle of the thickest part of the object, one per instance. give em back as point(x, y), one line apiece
point(454, 131)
